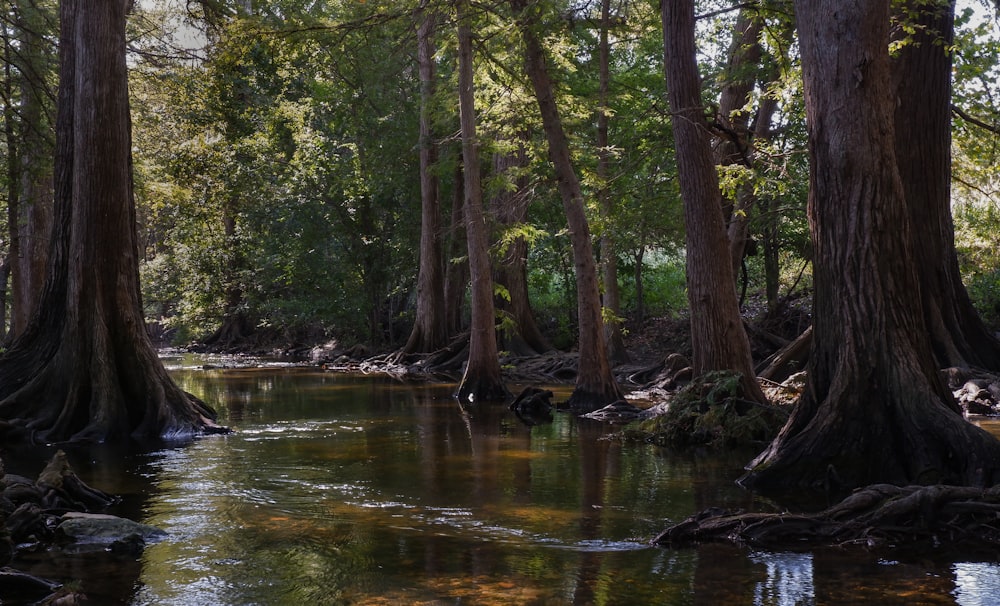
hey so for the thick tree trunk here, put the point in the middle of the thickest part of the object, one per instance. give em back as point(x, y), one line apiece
point(595, 383)
point(874, 408)
point(428, 332)
point(482, 380)
point(921, 77)
point(718, 339)
point(84, 368)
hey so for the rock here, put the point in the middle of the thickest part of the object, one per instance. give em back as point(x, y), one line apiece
point(62, 489)
point(103, 528)
point(533, 406)
point(13, 582)
point(28, 523)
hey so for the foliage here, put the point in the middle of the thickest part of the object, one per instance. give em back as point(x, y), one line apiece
point(708, 412)
point(978, 247)
point(976, 144)
point(276, 162)
point(273, 180)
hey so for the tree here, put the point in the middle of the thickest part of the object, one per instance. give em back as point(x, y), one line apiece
point(718, 339)
point(921, 77)
point(733, 120)
point(595, 384)
point(30, 158)
point(609, 253)
point(875, 408)
point(520, 333)
point(429, 332)
point(84, 368)
point(482, 379)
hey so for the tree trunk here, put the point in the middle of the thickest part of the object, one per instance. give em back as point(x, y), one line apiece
point(640, 289)
point(511, 209)
point(609, 258)
point(875, 408)
point(921, 77)
point(30, 202)
point(482, 380)
point(595, 384)
point(236, 325)
point(735, 145)
point(718, 339)
point(456, 276)
point(84, 368)
point(429, 332)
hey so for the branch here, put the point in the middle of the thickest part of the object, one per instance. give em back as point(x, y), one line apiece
point(958, 111)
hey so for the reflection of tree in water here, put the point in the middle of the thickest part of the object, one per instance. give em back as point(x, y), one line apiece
point(789, 579)
point(594, 460)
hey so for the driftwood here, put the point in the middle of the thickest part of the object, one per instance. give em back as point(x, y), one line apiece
point(880, 514)
point(788, 360)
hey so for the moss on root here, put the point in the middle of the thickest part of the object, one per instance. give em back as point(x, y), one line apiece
point(708, 412)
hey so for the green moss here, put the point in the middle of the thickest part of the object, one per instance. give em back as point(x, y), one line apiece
point(708, 412)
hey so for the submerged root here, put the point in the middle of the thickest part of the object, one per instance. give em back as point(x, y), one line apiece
point(880, 514)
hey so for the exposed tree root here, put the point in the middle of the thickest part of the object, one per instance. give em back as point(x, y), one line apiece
point(880, 514)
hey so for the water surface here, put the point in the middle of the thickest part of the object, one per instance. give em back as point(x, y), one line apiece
point(339, 489)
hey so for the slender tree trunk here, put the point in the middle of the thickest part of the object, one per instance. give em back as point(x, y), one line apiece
point(875, 408)
point(482, 379)
point(456, 277)
point(429, 330)
point(609, 258)
point(735, 145)
point(640, 289)
point(921, 77)
point(30, 167)
point(511, 209)
point(718, 339)
point(85, 368)
point(595, 383)
point(771, 248)
point(13, 178)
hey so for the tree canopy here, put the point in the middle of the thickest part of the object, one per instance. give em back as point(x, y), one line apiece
point(301, 175)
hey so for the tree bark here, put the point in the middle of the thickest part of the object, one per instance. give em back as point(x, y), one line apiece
point(428, 332)
point(718, 339)
point(875, 408)
point(511, 209)
point(921, 78)
point(735, 142)
point(84, 368)
point(456, 276)
point(30, 207)
point(609, 257)
point(595, 383)
point(482, 380)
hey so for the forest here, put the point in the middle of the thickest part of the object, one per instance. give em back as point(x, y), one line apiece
point(477, 186)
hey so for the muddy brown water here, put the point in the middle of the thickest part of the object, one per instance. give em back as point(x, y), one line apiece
point(338, 489)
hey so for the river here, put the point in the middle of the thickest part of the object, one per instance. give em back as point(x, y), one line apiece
point(341, 489)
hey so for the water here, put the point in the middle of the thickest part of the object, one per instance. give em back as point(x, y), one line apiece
point(342, 489)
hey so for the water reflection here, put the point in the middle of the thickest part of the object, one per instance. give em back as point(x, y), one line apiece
point(977, 583)
point(362, 490)
point(789, 579)
point(339, 489)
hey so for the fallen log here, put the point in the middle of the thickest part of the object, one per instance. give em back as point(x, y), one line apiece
point(875, 515)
